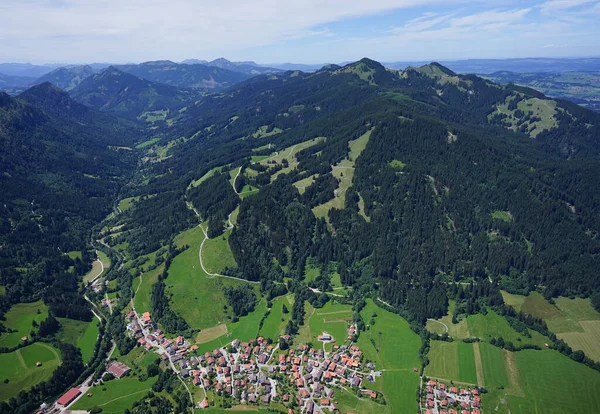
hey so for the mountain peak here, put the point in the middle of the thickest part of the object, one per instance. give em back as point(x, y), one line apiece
point(435, 69)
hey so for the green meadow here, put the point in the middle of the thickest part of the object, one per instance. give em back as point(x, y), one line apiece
point(126, 203)
point(142, 296)
point(274, 324)
point(452, 361)
point(19, 319)
point(115, 396)
point(216, 253)
point(81, 334)
point(197, 297)
point(19, 368)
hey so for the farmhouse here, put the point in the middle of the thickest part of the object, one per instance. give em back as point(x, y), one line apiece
point(118, 369)
point(68, 397)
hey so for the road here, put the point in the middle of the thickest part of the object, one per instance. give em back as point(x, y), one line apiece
point(234, 179)
point(327, 293)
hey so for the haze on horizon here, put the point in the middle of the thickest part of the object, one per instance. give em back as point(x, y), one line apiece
point(307, 31)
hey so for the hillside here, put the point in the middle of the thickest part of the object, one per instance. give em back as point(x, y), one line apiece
point(66, 78)
point(436, 221)
point(195, 76)
point(127, 96)
point(12, 82)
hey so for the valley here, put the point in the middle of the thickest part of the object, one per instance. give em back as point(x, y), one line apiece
point(352, 240)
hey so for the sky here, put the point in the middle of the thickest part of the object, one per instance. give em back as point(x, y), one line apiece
point(299, 31)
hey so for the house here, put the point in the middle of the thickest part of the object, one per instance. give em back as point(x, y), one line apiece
point(117, 369)
point(203, 404)
point(265, 399)
point(68, 397)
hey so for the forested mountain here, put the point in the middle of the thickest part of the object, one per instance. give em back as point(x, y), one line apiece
point(194, 76)
point(10, 82)
point(249, 68)
point(59, 177)
point(66, 78)
point(461, 179)
point(125, 95)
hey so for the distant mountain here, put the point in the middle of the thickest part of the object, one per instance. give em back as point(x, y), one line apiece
point(10, 82)
point(194, 76)
point(194, 62)
point(486, 66)
point(27, 69)
point(125, 95)
point(248, 68)
point(80, 119)
point(58, 176)
point(297, 66)
point(66, 78)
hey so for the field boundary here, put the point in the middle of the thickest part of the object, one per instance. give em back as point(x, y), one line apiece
point(21, 360)
point(478, 364)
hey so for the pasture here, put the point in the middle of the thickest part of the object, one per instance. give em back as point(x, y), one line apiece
point(94, 273)
point(197, 297)
point(19, 368)
point(126, 203)
point(458, 330)
point(452, 361)
point(216, 253)
point(332, 318)
point(553, 383)
point(116, 396)
point(274, 324)
point(493, 325)
point(19, 319)
point(81, 334)
point(574, 321)
point(344, 173)
point(142, 296)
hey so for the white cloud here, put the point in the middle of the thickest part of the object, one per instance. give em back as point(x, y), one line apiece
point(554, 6)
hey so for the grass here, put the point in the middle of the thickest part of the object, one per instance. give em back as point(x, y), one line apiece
point(396, 345)
point(574, 321)
point(118, 396)
point(305, 182)
point(348, 402)
point(399, 388)
point(19, 367)
point(81, 334)
point(142, 297)
point(494, 370)
point(332, 318)
point(553, 383)
point(127, 203)
point(95, 272)
point(205, 177)
point(459, 330)
point(289, 154)
point(210, 334)
point(516, 301)
point(148, 143)
point(502, 215)
point(397, 164)
point(545, 109)
point(344, 172)
point(493, 325)
point(104, 258)
point(19, 319)
point(261, 132)
point(452, 361)
point(217, 255)
point(234, 215)
point(74, 254)
point(274, 324)
point(197, 297)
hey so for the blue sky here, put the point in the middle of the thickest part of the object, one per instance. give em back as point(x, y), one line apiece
point(307, 31)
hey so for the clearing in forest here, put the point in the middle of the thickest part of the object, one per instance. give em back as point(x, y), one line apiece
point(344, 172)
point(19, 319)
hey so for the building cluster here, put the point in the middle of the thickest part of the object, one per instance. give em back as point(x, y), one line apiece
point(441, 398)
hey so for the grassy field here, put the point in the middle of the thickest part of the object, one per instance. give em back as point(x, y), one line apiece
point(205, 177)
point(452, 361)
point(19, 319)
point(104, 259)
point(305, 182)
point(19, 368)
point(197, 297)
point(573, 320)
point(502, 215)
point(81, 334)
point(148, 143)
point(261, 132)
point(456, 330)
point(127, 203)
point(275, 323)
point(344, 172)
point(516, 301)
point(332, 318)
point(493, 325)
point(142, 297)
point(216, 254)
point(289, 154)
point(92, 274)
point(552, 383)
point(115, 396)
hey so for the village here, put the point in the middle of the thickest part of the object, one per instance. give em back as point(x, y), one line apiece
point(260, 371)
point(441, 398)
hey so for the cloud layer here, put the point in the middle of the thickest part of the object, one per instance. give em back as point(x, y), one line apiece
point(297, 30)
